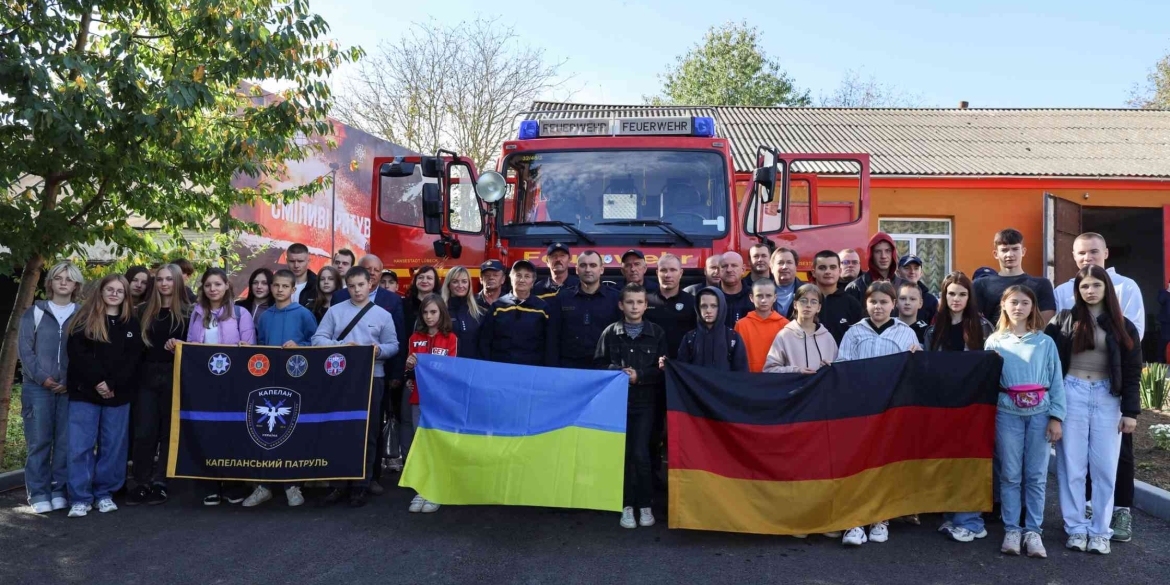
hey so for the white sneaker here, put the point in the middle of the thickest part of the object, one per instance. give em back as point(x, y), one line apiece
point(945, 527)
point(106, 505)
point(60, 503)
point(879, 532)
point(1078, 542)
point(800, 536)
point(79, 510)
point(294, 496)
point(854, 537)
point(258, 496)
point(429, 507)
point(646, 518)
point(1099, 545)
point(628, 518)
point(1034, 546)
point(1011, 543)
point(42, 508)
point(416, 505)
point(833, 534)
point(960, 534)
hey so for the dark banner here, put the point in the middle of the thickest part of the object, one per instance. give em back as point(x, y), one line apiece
point(271, 414)
point(856, 443)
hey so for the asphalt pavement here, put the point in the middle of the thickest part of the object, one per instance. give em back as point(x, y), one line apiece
point(185, 542)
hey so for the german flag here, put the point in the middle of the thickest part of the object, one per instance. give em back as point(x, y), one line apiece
point(856, 443)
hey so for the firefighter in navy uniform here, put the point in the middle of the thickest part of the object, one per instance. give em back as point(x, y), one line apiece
point(557, 256)
point(519, 327)
point(585, 311)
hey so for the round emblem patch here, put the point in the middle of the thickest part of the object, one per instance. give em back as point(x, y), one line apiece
point(678, 306)
point(258, 364)
point(219, 364)
point(296, 366)
point(335, 364)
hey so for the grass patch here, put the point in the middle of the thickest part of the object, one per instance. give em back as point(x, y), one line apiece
point(16, 449)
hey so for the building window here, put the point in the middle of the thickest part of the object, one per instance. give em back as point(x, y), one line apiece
point(929, 239)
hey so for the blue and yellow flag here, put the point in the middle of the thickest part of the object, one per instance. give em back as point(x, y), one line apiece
point(494, 433)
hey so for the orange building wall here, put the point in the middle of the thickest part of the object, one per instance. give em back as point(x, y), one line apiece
point(980, 207)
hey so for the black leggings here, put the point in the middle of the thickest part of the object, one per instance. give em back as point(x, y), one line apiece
point(152, 423)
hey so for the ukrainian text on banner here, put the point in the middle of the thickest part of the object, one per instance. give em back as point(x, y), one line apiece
point(492, 433)
point(856, 443)
point(271, 414)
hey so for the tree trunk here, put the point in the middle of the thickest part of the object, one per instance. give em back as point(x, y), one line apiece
point(9, 350)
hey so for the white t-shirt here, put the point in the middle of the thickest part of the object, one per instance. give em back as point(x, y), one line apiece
point(62, 313)
point(296, 296)
point(211, 334)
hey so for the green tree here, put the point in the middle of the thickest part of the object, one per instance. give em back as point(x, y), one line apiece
point(1155, 92)
point(143, 108)
point(729, 68)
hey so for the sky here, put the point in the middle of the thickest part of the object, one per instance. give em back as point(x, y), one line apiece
point(993, 54)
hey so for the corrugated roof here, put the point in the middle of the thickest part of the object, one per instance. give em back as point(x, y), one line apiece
point(937, 142)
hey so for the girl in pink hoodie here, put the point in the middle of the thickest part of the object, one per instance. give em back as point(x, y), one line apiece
point(803, 345)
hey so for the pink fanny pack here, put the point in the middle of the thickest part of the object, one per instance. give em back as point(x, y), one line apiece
point(1026, 395)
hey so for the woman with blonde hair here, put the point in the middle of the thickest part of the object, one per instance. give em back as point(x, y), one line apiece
point(105, 344)
point(44, 402)
point(164, 319)
point(466, 313)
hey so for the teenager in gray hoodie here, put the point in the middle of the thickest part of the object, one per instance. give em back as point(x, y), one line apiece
point(45, 403)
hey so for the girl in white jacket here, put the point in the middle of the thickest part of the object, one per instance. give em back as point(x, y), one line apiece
point(878, 335)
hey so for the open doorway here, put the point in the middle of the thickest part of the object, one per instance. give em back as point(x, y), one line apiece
point(1134, 235)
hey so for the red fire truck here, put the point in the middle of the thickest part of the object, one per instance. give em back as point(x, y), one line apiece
point(661, 184)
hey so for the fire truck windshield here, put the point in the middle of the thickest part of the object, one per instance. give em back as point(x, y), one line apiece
point(619, 192)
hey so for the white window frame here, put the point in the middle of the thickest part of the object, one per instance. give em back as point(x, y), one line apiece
point(913, 238)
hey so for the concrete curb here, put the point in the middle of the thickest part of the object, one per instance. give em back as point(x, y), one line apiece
point(1150, 499)
point(11, 480)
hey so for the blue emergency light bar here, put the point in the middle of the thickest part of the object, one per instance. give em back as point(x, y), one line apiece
point(701, 126)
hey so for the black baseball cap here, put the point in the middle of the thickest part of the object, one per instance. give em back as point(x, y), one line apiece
point(491, 265)
point(635, 252)
point(555, 247)
point(909, 259)
point(984, 271)
point(524, 264)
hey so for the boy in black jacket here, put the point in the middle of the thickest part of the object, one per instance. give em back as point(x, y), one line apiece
point(636, 347)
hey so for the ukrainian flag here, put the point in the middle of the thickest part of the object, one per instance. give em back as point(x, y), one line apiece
point(492, 433)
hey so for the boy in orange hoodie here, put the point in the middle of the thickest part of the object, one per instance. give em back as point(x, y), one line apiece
point(760, 327)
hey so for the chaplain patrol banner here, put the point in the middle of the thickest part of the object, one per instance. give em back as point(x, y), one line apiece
point(271, 414)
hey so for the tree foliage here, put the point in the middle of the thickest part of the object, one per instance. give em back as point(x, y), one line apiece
point(1155, 92)
point(143, 108)
point(454, 87)
point(857, 91)
point(729, 68)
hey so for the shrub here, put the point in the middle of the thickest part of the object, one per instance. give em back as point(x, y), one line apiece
point(1161, 435)
point(1153, 386)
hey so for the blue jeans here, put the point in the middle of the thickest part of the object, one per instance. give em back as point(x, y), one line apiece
point(1091, 444)
point(1023, 456)
point(972, 521)
point(97, 477)
point(46, 429)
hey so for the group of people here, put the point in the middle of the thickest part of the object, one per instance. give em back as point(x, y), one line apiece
point(98, 373)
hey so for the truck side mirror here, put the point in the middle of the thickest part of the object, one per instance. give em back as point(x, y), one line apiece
point(432, 203)
point(765, 180)
point(432, 166)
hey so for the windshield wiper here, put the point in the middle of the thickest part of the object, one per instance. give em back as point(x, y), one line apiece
point(665, 225)
point(568, 227)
